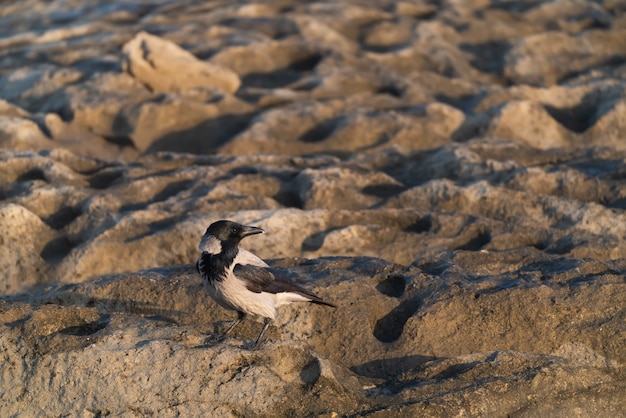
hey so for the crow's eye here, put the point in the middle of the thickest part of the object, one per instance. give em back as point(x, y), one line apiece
point(234, 230)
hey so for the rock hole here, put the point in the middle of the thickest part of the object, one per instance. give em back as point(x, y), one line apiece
point(33, 174)
point(420, 225)
point(281, 77)
point(385, 49)
point(321, 131)
point(515, 6)
point(170, 190)
point(393, 286)
point(62, 217)
point(576, 119)
point(105, 178)
point(616, 203)
point(390, 327)
point(382, 190)
point(605, 64)
point(316, 241)
point(66, 113)
point(122, 140)
point(390, 90)
point(465, 102)
point(477, 242)
point(56, 250)
point(289, 199)
point(272, 80)
point(311, 372)
point(306, 64)
point(142, 343)
point(390, 368)
point(455, 370)
point(86, 329)
point(488, 56)
point(563, 246)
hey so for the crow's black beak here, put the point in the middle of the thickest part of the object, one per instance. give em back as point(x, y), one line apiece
point(250, 230)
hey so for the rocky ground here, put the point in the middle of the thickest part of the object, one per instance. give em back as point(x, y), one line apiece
point(450, 174)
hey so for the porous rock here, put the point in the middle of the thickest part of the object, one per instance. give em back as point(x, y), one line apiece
point(450, 174)
point(402, 340)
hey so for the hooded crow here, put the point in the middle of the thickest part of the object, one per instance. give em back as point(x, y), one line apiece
point(239, 280)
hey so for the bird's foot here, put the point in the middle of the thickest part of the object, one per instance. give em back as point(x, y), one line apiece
point(214, 339)
point(259, 340)
point(252, 346)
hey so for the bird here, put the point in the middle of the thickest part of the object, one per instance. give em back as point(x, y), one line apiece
point(241, 281)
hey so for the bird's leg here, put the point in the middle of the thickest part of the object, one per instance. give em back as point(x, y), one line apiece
point(266, 324)
point(213, 339)
point(240, 317)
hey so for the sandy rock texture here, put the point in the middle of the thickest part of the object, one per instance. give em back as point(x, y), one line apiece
point(450, 174)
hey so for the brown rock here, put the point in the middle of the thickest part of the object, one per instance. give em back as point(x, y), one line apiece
point(530, 124)
point(610, 122)
point(164, 67)
point(546, 58)
point(20, 133)
point(402, 340)
point(82, 140)
point(23, 237)
point(30, 87)
point(97, 103)
point(11, 110)
point(343, 189)
point(452, 170)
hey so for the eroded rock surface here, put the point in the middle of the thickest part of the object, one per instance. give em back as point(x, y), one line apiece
point(451, 174)
point(533, 336)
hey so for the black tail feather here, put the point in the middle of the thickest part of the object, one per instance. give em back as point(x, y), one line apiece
point(319, 301)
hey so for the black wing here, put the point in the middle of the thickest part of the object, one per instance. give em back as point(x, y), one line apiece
point(263, 279)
